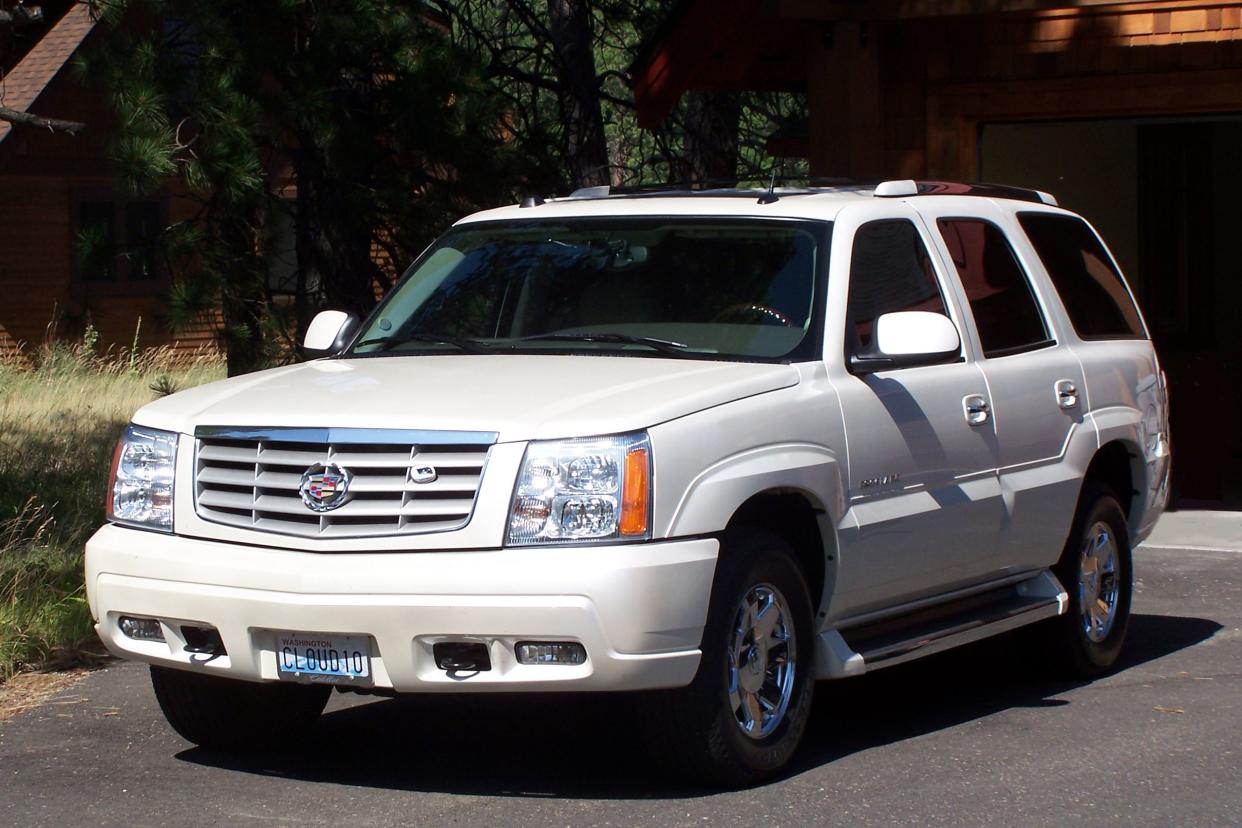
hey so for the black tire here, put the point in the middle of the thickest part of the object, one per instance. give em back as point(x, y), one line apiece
point(1074, 652)
point(694, 731)
point(227, 714)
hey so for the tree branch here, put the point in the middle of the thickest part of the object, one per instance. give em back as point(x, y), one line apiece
point(13, 116)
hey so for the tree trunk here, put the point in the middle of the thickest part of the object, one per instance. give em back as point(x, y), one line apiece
point(243, 297)
point(569, 22)
point(333, 248)
point(711, 136)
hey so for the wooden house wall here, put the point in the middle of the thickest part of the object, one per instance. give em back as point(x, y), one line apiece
point(937, 80)
point(41, 176)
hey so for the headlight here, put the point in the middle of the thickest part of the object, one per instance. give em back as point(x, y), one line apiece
point(140, 489)
point(583, 490)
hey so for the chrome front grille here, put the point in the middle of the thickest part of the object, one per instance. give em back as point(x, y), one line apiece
point(250, 478)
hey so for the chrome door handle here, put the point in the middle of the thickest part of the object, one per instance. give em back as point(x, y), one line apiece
point(1067, 393)
point(975, 407)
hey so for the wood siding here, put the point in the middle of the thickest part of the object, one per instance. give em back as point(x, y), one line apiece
point(42, 175)
point(939, 79)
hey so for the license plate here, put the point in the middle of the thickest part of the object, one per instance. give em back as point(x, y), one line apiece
point(318, 657)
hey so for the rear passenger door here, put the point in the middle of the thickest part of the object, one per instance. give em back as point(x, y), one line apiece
point(1035, 383)
point(925, 512)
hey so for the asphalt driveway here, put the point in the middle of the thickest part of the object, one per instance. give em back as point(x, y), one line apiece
point(974, 737)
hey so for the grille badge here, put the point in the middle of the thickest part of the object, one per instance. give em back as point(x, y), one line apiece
point(424, 474)
point(325, 487)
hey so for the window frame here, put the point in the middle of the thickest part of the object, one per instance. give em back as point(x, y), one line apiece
point(1111, 261)
point(939, 276)
point(121, 284)
point(1050, 333)
point(809, 350)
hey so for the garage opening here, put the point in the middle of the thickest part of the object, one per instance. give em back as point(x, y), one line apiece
point(1164, 193)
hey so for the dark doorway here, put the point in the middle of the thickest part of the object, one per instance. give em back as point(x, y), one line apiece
point(1164, 194)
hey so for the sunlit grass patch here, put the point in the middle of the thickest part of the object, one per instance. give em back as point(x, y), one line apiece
point(62, 408)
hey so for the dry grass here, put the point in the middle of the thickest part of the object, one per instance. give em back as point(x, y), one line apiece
point(61, 411)
point(29, 690)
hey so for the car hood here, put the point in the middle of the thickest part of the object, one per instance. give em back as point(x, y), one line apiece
point(521, 397)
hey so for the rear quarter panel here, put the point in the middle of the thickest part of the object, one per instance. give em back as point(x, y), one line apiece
point(1127, 403)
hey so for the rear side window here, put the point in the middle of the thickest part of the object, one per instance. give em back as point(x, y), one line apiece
point(890, 271)
point(1091, 289)
point(1005, 311)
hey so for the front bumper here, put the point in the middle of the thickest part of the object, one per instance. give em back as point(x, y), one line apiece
point(638, 609)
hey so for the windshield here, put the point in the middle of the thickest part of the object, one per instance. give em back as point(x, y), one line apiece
point(690, 288)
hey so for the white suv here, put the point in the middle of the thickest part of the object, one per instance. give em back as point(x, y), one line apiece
point(717, 445)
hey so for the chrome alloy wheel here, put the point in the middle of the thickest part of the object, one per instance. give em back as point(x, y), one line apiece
point(762, 652)
point(1097, 582)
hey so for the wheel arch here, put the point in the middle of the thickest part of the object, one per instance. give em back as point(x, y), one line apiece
point(1118, 464)
point(791, 515)
point(794, 490)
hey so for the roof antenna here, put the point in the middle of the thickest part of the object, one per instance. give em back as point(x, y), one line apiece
point(770, 197)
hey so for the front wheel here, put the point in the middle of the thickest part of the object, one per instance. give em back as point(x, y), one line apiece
point(742, 717)
point(228, 714)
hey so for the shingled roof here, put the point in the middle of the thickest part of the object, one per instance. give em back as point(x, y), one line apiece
point(21, 87)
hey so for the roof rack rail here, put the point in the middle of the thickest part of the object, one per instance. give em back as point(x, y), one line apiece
point(910, 187)
point(900, 188)
point(710, 186)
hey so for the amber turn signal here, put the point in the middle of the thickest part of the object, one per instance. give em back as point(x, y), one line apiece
point(636, 492)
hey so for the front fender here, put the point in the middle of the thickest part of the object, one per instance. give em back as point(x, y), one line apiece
point(712, 498)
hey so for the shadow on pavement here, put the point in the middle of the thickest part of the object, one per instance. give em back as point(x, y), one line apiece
point(589, 745)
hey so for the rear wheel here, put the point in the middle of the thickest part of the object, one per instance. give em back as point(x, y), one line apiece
point(228, 714)
point(742, 717)
point(1096, 570)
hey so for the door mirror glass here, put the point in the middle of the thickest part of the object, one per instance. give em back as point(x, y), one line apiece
point(908, 338)
point(329, 332)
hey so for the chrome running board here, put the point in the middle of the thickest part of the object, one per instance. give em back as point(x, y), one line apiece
point(860, 649)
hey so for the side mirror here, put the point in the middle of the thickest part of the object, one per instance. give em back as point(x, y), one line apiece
point(328, 333)
point(909, 338)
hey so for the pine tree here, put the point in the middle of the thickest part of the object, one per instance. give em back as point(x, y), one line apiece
point(361, 122)
point(564, 68)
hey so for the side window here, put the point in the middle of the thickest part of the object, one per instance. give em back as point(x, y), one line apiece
point(1091, 289)
point(890, 271)
point(1001, 301)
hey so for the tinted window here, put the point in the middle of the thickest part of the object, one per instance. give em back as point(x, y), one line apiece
point(1006, 313)
point(1091, 289)
point(890, 271)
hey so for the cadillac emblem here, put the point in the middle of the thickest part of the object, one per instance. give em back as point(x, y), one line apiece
point(324, 487)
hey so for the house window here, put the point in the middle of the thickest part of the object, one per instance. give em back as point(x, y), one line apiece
point(97, 241)
point(116, 240)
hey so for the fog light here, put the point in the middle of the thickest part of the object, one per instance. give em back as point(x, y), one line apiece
point(141, 629)
point(550, 652)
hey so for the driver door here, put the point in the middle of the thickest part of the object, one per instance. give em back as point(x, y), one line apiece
point(925, 510)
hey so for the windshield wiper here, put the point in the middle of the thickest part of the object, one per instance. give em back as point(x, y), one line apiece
point(664, 346)
point(470, 346)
